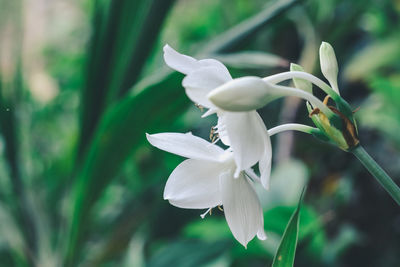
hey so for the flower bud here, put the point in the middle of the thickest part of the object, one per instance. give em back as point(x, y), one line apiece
point(329, 66)
point(242, 94)
point(300, 83)
point(346, 138)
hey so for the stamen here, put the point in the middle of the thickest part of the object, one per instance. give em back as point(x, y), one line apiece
point(220, 208)
point(199, 107)
point(216, 140)
point(212, 132)
point(214, 136)
point(326, 99)
point(205, 213)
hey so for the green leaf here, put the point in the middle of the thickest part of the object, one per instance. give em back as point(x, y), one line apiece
point(135, 40)
point(284, 257)
point(188, 253)
point(372, 58)
point(237, 35)
point(9, 128)
point(119, 133)
point(252, 59)
point(134, 212)
point(119, 48)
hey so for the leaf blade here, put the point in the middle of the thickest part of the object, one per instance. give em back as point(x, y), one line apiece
point(285, 254)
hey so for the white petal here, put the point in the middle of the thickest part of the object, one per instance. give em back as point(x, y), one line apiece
point(261, 234)
point(179, 62)
point(264, 165)
point(202, 81)
point(186, 64)
point(221, 127)
point(246, 136)
point(265, 168)
point(194, 184)
point(186, 145)
point(222, 70)
point(242, 208)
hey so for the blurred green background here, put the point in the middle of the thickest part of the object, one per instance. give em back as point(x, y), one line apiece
point(82, 81)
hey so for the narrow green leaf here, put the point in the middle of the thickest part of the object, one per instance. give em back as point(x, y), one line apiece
point(120, 45)
point(132, 215)
point(122, 129)
point(9, 98)
point(135, 42)
point(241, 32)
point(252, 59)
point(284, 257)
point(100, 54)
point(373, 57)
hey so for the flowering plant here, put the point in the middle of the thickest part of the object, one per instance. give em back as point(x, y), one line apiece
point(214, 177)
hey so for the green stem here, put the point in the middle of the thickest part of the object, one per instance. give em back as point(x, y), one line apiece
point(379, 174)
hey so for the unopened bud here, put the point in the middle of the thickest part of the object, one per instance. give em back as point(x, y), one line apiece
point(242, 94)
point(329, 66)
point(300, 83)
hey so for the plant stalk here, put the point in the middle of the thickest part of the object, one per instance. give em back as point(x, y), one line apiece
point(383, 178)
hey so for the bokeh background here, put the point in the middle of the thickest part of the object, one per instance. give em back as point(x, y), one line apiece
point(82, 81)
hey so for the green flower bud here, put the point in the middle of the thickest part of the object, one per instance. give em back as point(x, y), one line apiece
point(345, 138)
point(329, 65)
point(300, 83)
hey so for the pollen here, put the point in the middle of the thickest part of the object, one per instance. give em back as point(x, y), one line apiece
point(199, 107)
point(214, 134)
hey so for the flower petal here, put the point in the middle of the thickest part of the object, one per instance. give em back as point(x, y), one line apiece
point(242, 208)
point(179, 62)
point(221, 128)
point(194, 184)
point(186, 64)
point(200, 82)
point(186, 145)
point(261, 234)
point(264, 165)
point(246, 137)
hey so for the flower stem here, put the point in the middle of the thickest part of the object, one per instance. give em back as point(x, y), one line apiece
point(379, 174)
point(290, 91)
point(291, 127)
point(280, 77)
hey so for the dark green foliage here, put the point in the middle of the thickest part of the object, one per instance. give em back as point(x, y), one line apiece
point(80, 185)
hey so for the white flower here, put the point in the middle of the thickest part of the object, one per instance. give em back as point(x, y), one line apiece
point(206, 180)
point(244, 132)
